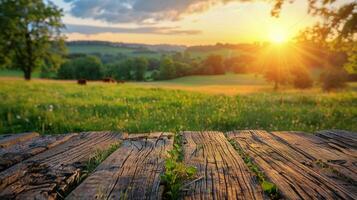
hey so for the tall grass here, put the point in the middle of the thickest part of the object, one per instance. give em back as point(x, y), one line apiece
point(60, 107)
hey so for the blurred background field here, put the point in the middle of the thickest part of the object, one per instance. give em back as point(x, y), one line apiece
point(50, 107)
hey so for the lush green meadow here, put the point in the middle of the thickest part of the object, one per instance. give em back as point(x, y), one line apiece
point(61, 107)
point(16, 73)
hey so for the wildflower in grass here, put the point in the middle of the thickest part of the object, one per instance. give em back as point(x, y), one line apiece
point(50, 108)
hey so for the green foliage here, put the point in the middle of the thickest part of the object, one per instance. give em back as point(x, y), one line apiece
point(140, 66)
point(339, 18)
point(167, 69)
point(351, 65)
point(236, 64)
point(176, 172)
point(129, 69)
point(301, 78)
point(213, 64)
point(122, 70)
point(87, 67)
point(30, 34)
point(268, 187)
point(62, 107)
point(334, 78)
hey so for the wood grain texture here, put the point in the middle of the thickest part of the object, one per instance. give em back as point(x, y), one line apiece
point(331, 152)
point(50, 174)
point(131, 172)
point(11, 139)
point(225, 175)
point(22, 150)
point(293, 168)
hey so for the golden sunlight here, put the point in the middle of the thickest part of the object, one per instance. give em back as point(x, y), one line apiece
point(278, 36)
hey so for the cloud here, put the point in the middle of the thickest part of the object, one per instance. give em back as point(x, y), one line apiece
point(86, 29)
point(139, 11)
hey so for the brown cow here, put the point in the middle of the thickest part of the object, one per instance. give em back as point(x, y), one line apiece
point(82, 82)
point(108, 80)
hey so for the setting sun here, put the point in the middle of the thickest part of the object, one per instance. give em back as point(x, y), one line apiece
point(278, 36)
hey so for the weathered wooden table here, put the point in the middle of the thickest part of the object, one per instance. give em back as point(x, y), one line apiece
point(301, 165)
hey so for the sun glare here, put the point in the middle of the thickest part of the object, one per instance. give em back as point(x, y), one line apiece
point(278, 36)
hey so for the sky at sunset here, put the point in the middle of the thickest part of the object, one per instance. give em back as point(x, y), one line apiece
point(188, 22)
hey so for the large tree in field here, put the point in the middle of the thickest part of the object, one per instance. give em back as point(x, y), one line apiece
point(338, 27)
point(337, 30)
point(30, 34)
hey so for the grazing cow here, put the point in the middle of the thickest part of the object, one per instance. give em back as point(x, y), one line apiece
point(120, 81)
point(82, 82)
point(108, 80)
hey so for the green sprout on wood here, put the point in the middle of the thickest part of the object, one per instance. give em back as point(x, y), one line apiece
point(269, 188)
point(176, 172)
point(98, 157)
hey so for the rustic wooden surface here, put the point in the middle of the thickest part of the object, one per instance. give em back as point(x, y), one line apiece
point(20, 151)
point(225, 175)
point(332, 152)
point(303, 166)
point(296, 163)
point(131, 172)
point(11, 139)
point(50, 174)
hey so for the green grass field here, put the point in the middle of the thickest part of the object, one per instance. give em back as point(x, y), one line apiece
point(63, 106)
point(16, 73)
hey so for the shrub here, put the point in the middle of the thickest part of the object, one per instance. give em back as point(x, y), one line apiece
point(301, 78)
point(334, 78)
point(66, 71)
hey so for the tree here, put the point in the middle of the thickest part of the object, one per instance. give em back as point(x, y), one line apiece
point(339, 18)
point(214, 64)
point(235, 64)
point(167, 69)
point(275, 69)
point(30, 34)
point(301, 77)
point(337, 31)
point(140, 66)
point(333, 79)
point(88, 67)
point(182, 69)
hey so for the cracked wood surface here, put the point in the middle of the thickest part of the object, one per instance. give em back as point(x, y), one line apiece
point(298, 163)
point(131, 172)
point(50, 174)
point(338, 152)
point(20, 151)
point(11, 139)
point(225, 175)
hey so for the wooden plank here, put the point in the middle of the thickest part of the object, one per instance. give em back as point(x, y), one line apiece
point(131, 172)
point(11, 139)
point(290, 169)
point(20, 151)
point(225, 175)
point(342, 140)
point(50, 174)
point(336, 155)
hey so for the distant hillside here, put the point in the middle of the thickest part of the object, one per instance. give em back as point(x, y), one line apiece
point(92, 47)
point(225, 50)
